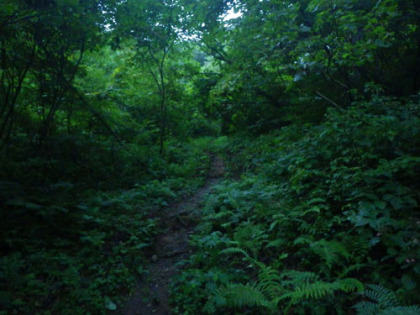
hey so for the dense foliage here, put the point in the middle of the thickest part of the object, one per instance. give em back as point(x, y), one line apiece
point(110, 111)
point(68, 247)
point(319, 211)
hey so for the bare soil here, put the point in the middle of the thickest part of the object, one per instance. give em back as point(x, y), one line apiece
point(171, 247)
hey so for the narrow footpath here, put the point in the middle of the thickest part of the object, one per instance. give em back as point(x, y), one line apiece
point(171, 247)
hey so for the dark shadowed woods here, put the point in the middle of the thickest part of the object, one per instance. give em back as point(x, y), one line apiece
point(209, 157)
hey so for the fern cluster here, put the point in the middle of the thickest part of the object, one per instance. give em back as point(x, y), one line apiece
point(379, 300)
point(320, 212)
point(275, 290)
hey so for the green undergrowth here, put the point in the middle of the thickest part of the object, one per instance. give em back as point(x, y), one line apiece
point(324, 219)
point(75, 246)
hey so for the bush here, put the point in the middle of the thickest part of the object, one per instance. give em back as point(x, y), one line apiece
point(318, 211)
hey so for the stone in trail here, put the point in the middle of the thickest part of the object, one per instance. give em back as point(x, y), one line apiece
point(171, 247)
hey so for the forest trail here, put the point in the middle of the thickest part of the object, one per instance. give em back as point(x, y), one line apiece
point(171, 247)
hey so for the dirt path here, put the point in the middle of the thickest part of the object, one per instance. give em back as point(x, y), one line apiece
point(152, 296)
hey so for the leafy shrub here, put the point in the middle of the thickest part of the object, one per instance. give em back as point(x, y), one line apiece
point(339, 201)
point(73, 248)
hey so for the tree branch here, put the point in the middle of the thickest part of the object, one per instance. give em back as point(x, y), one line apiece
point(328, 100)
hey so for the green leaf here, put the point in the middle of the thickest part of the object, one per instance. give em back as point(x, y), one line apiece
point(408, 282)
point(110, 305)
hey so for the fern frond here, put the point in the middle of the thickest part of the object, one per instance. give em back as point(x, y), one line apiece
point(219, 215)
point(268, 287)
point(401, 310)
point(350, 285)
point(320, 289)
point(296, 276)
point(366, 308)
point(357, 246)
point(355, 267)
point(316, 228)
point(303, 239)
point(276, 243)
point(384, 302)
point(240, 295)
point(270, 281)
point(330, 251)
point(235, 250)
point(384, 297)
point(314, 290)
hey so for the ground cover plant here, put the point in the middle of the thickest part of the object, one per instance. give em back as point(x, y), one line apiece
point(321, 214)
point(67, 250)
point(291, 128)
